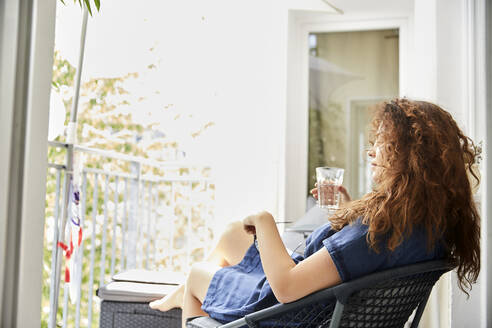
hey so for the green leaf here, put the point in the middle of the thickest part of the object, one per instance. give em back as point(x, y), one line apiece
point(88, 5)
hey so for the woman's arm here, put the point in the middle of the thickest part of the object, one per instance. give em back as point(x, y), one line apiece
point(289, 281)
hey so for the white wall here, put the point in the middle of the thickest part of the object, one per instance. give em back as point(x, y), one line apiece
point(246, 69)
point(225, 61)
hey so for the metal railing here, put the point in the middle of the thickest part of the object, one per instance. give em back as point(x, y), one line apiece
point(134, 213)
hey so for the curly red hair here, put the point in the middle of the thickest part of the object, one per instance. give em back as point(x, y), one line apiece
point(426, 184)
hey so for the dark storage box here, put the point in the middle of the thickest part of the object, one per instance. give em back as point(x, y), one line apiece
point(136, 315)
point(125, 301)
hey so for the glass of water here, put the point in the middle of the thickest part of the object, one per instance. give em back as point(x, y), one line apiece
point(329, 180)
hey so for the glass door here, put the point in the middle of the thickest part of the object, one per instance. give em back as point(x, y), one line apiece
point(349, 72)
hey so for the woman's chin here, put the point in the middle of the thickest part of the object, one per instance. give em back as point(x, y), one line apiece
point(376, 178)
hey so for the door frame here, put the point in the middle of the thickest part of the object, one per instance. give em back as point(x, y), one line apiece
point(295, 161)
point(27, 30)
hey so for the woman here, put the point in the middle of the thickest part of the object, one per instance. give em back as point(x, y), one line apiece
point(421, 208)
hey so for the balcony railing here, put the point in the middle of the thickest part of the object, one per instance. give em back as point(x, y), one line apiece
point(134, 213)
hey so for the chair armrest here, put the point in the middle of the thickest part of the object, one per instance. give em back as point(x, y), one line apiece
point(324, 295)
point(202, 322)
point(275, 310)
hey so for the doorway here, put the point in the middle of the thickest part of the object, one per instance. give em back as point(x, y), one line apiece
point(349, 73)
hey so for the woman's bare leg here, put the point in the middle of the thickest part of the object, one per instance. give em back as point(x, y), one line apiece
point(230, 249)
point(196, 288)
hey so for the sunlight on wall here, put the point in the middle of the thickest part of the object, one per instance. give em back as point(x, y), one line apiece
point(205, 78)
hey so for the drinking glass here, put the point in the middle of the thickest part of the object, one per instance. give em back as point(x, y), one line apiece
point(329, 179)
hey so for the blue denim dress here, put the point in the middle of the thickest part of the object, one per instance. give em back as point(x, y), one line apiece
point(243, 288)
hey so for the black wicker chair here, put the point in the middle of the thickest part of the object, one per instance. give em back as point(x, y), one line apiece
point(382, 299)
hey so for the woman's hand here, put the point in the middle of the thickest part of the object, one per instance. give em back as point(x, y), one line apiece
point(250, 222)
point(345, 195)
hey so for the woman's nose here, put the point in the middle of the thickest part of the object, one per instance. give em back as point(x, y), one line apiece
point(371, 153)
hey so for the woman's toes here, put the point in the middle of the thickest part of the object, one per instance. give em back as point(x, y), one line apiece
point(168, 302)
point(155, 304)
point(162, 304)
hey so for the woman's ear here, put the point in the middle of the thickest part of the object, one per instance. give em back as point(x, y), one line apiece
point(390, 150)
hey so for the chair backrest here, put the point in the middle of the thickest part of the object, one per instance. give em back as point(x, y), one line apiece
point(382, 299)
point(388, 302)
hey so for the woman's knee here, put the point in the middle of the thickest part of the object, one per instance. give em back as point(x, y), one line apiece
point(196, 273)
point(233, 229)
point(234, 242)
point(234, 232)
point(199, 278)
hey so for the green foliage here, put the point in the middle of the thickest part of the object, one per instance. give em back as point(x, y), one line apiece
point(87, 3)
point(63, 72)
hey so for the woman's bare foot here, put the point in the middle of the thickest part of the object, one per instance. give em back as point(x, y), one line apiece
point(171, 301)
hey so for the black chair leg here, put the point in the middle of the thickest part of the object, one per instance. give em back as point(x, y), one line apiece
point(337, 315)
point(420, 311)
